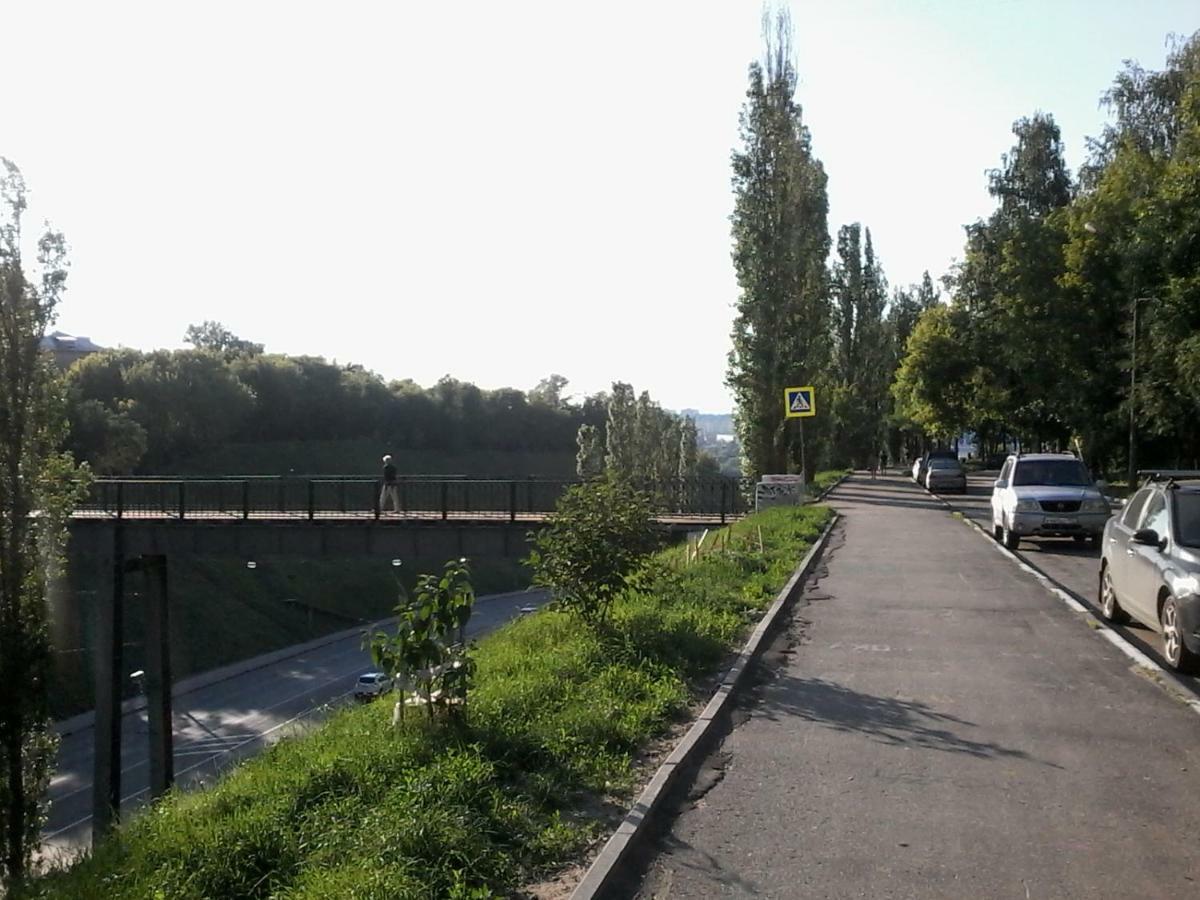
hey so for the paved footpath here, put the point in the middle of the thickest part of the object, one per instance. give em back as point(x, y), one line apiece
point(933, 723)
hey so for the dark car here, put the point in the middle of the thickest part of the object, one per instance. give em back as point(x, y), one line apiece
point(1150, 568)
point(945, 475)
point(921, 466)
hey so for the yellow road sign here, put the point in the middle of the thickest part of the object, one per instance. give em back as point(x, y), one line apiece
point(799, 402)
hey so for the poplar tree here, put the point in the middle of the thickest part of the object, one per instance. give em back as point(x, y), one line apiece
point(589, 461)
point(36, 490)
point(621, 457)
point(781, 241)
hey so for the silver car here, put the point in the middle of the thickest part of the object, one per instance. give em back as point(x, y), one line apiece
point(1150, 564)
point(945, 475)
point(1046, 495)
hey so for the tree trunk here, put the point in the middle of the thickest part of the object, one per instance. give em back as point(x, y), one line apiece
point(14, 850)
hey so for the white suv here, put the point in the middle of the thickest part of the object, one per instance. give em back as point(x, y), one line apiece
point(1046, 495)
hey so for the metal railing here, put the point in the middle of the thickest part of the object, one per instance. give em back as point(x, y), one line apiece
point(358, 497)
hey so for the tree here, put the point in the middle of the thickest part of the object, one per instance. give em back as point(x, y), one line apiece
point(549, 391)
point(217, 338)
point(110, 442)
point(862, 353)
point(621, 459)
point(37, 488)
point(589, 461)
point(781, 241)
point(688, 454)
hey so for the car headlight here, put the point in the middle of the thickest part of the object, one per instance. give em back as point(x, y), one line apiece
point(1027, 506)
point(1095, 505)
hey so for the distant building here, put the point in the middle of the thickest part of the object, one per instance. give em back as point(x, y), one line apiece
point(68, 347)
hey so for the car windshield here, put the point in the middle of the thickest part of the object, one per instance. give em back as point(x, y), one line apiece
point(365, 679)
point(944, 464)
point(1187, 518)
point(1060, 472)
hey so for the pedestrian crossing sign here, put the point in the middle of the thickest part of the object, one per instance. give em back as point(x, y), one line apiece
point(799, 402)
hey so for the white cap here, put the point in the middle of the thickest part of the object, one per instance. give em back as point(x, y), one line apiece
point(387, 459)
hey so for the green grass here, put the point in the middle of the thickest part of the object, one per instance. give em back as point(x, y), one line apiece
point(468, 809)
point(822, 480)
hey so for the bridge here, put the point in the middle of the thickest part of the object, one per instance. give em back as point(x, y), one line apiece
point(445, 497)
point(130, 528)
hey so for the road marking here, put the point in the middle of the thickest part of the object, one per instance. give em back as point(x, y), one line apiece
point(1164, 676)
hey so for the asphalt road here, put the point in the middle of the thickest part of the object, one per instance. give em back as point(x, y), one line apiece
point(217, 725)
point(1074, 567)
point(933, 723)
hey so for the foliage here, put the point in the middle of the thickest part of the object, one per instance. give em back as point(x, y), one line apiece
point(428, 652)
point(38, 486)
point(1039, 342)
point(589, 461)
point(215, 337)
point(781, 240)
point(363, 809)
point(158, 411)
point(862, 354)
point(599, 533)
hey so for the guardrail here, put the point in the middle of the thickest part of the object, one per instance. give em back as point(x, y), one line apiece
point(424, 496)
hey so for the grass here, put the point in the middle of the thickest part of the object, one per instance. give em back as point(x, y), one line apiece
point(467, 809)
point(823, 480)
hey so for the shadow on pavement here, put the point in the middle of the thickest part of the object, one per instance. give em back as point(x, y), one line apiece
point(887, 720)
point(691, 857)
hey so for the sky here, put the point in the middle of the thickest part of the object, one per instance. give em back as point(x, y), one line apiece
point(501, 191)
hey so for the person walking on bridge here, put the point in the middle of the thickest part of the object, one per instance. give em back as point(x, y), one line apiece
point(390, 489)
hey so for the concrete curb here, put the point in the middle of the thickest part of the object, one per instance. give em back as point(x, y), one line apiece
point(821, 496)
point(601, 877)
point(213, 676)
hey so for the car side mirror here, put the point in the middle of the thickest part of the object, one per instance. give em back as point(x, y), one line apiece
point(1147, 536)
point(998, 483)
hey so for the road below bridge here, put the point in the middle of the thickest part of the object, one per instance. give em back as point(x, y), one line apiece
point(221, 723)
point(933, 722)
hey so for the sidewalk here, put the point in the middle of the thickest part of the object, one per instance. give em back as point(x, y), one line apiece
point(934, 724)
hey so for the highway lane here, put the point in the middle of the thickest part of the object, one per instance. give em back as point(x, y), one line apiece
point(1074, 567)
point(221, 723)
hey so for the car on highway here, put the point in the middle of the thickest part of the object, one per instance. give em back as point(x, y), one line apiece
point(921, 465)
point(945, 475)
point(1150, 564)
point(1046, 495)
point(371, 685)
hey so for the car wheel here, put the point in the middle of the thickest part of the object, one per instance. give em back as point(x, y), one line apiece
point(1179, 657)
point(1010, 539)
point(1110, 609)
point(997, 531)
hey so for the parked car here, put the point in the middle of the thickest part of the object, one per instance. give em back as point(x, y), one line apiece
point(371, 685)
point(921, 466)
point(945, 475)
point(1046, 495)
point(1150, 564)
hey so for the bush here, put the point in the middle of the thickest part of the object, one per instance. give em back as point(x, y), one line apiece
point(599, 533)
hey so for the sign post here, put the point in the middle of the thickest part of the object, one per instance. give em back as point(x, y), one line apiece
point(800, 403)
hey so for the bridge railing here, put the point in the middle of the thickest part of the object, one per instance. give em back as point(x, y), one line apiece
point(420, 496)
